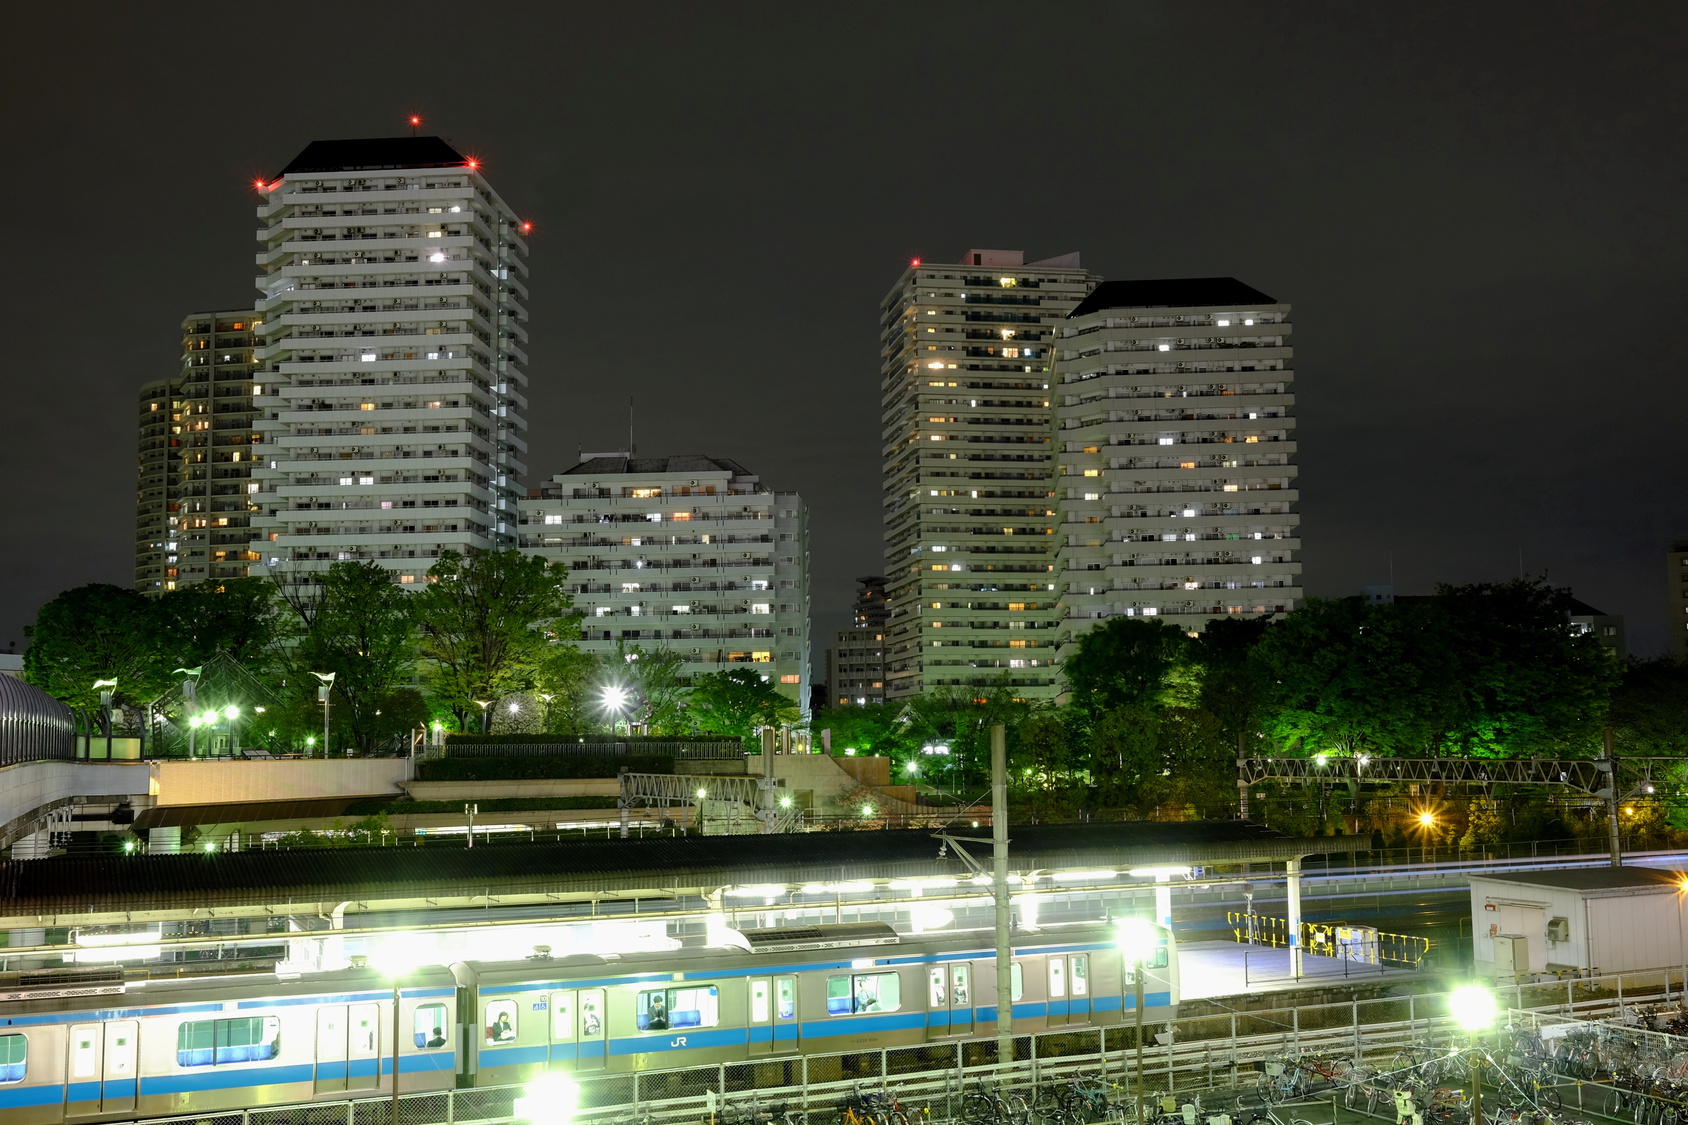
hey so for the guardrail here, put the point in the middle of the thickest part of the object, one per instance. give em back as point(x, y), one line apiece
point(1219, 1049)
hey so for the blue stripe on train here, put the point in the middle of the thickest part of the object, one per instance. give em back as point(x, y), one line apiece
point(17, 1097)
point(103, 1014)
point(348, 998)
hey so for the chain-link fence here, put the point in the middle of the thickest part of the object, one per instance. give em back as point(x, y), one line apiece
point(1210, 1047)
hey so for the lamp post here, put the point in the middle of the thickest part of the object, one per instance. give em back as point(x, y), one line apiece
point(1473, 1008)
point(547, 699)
point(190, 691)
point(614, 699)
point(322, 695)
point(107, 689)
point(547, 1101)
point(1426, 825)
point(1137, 941)
point(486, 714)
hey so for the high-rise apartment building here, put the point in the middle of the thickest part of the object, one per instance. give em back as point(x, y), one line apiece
point(194, 498)
point(1177, 493)
point(392, 282)
point(693, 554)
point(968, 471)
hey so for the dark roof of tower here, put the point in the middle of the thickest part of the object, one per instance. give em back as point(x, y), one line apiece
point(1171, 293)
point(684, 463)
point(373, 154)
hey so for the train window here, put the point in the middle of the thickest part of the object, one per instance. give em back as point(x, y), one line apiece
point(673, 1008)
point(222, 1042)
point(863, 992)
point(1016, 982)
point(938, 997)
point(562, 1016)
point(759, 1001)
point(1057, 978)
point(14, 1058)
point(500, 1022)
point(430, 1027)
point(1080, 977)
point(786, 996)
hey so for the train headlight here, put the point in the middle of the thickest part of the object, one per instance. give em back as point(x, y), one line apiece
point(548, 1101)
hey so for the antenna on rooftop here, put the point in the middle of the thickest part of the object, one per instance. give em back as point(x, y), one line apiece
point(415, 121)
point(630, 447)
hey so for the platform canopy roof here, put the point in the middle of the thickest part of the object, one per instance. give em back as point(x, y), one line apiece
point(112, 889)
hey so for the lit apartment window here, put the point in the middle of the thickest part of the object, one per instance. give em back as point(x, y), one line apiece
point(646, 493)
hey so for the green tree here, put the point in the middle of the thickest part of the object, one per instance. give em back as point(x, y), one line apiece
point(236, 615)
point(739, 702)
point(1649, 713)
point(90, 633)
point(1124, 661)
point(1125, 753)
point(486, 620)
point(569, 676)
point(361, 630)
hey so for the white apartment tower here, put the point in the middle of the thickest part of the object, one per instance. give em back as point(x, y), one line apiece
point(1175, 413)
point(969, 471)
point(692, 554)
point(389, 364)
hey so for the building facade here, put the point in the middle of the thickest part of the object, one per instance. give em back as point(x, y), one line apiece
point(393, 284)
point(855, 663)
point(194, 498)
point(1175, 414)
point(1676, 595)
point(693, 554)
point(856, 667)
point(969, 471)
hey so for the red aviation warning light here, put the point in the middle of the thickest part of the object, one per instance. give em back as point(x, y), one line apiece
point(473, 163)
point(914, 263)
point(527, 228)
point(261, 185)
point(415, 120)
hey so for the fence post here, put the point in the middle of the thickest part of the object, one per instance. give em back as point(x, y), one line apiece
point(1356, 1034)
point(450, 1107)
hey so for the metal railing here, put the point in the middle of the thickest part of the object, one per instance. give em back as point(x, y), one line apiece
point(1222, 1048)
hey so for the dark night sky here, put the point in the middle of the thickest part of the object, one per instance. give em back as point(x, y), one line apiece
point(1476, 209)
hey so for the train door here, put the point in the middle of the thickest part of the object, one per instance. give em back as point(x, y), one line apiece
point(593, 1029)
point(82, 1087)
point(785, 1012)
point(363, 1047)
point(761, 1022)
point(564, 1048)
point(330, 1049)
point(1056, 967)
point(1078, 987)
point(949, 999)
point(117, 1092)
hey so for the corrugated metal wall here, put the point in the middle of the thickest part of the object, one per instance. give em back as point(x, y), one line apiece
point(33, 725)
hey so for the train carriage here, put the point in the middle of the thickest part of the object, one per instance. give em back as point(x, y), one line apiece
point(90, 1047)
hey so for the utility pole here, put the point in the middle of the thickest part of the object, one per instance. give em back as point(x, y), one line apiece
point(1610, 765)
point(999, 890)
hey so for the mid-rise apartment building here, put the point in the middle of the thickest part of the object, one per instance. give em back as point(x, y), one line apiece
point(969, 471)
point(1175, 414)
point(856, 661)
point(693, 554)
point(392, 282)
point(194, 497)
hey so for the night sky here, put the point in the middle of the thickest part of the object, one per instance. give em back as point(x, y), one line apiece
point(1477, 211)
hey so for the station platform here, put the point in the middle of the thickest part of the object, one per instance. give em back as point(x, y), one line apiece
point(1226, 968)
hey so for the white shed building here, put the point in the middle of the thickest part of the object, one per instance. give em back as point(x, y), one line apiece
point(1609, 919)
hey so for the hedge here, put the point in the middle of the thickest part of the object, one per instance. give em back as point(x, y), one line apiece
point(400, 806)
point(565, 739)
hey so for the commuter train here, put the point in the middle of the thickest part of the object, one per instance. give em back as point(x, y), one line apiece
point(81, 1050)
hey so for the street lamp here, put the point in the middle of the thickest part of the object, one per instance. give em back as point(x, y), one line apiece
point(614, 699)
point(1473, 1008)
point(107, 689)
point(399, 961)
point(547, 699)
point(1682, 951)
point(322, 694)
point(549, 1100)
point(1137, 941)
point(486, 714)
